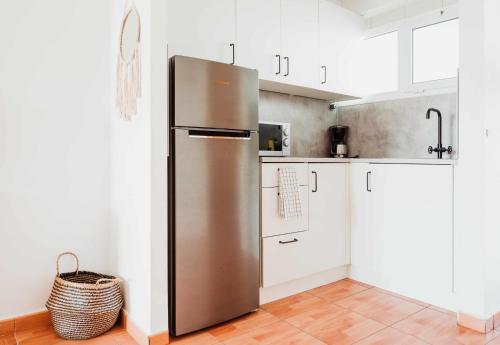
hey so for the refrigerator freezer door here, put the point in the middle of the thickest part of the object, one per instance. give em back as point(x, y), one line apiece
point(213, 95)
point(215, 227)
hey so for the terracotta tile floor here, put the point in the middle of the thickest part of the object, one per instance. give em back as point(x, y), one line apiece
point(46, 336)
point(346, 312)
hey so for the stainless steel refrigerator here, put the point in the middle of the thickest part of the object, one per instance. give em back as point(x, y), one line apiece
point(213, 193)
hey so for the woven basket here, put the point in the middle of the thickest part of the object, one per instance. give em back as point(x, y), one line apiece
point(82, 304)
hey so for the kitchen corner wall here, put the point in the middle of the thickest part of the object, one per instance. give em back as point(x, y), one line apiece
point(390, 129)
point(398, 128)
point(138, 166)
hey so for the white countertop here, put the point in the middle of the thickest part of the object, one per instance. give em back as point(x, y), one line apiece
point(428, 161)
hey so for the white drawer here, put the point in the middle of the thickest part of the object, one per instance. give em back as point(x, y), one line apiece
point(285, 258)
point(272, 223)
point(270, 173)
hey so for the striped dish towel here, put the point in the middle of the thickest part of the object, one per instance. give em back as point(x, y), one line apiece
point(288, 191)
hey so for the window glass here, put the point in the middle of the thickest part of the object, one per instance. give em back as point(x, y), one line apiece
point(435, 51)
point(381, 68)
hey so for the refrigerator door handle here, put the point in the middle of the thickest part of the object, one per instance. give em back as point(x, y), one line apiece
point(224, 135)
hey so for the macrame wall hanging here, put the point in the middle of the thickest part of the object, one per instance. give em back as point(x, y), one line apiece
point(128, 67)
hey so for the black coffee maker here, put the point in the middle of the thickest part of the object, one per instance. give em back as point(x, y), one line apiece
point(338, 141)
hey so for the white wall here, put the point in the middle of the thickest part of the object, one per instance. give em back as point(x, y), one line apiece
point(138, 242)
point(130, 182)
point(159, 152)
point(477, 183)
point(54, 144)
point(469, 173)
point(492, 152)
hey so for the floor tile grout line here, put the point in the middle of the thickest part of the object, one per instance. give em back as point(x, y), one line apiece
point(414, 335)
point(354, 312)
point(347, 296)
point(253, 329)
point(401, 297)
point(408, 316)
point(491, 340)
point(250, 330)
point(369, 335)
point(380, 330)
point(305, 332)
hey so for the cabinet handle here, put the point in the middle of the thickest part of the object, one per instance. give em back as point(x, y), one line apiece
point(368, 186)
point(287, 242)
point(324, 80)
point(279, 63)
point(233, 48)
point(287, 66)
point(315, 182)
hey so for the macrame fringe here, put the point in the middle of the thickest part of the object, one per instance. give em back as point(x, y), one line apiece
point(128, 83)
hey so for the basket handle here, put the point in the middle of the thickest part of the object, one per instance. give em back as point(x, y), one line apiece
point(102, 280)
point(68, 253)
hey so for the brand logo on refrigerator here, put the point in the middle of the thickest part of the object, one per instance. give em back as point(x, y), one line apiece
point(222, 82)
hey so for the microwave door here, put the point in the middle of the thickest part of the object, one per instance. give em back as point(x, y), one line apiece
point(271, 140)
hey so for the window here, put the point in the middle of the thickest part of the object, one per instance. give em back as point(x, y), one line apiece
point(381, 63)
point(435, 51)
point(408, 57)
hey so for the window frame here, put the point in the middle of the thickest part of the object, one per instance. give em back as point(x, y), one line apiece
point(434, 81)
point(396, 31)
point(405, 27)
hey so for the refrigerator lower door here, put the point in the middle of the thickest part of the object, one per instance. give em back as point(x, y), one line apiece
point(214, 235)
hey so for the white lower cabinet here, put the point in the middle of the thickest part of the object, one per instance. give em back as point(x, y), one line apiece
point(327, 214)
point(361, 213)
point(402, 228)
point(286, 258)
point(289, 252)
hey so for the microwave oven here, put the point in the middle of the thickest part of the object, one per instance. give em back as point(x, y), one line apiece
point(274, 139)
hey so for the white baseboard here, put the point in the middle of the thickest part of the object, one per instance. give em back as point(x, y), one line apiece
point(293, 287)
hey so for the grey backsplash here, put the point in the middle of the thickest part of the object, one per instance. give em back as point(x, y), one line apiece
point(389, 129)
point(309, 120)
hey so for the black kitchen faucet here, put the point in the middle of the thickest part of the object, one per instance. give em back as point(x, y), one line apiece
point(439, 149)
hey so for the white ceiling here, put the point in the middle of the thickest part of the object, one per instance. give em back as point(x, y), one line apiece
point(370, 8)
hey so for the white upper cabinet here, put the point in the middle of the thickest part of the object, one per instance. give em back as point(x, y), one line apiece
point(259, 36)
point(279, 38)
point(202, 29)
point(340, 33)
point(300, 41)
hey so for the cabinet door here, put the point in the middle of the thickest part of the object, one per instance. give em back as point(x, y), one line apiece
point(327, 214)
point(272, 223)
point(413, 221)
point(340, 32)
point(202, 29)
point(287, 257)
point(300, 39)
point(259, 31)
point(361, 213)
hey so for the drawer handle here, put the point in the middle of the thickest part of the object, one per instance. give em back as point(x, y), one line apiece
point(292, 241)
